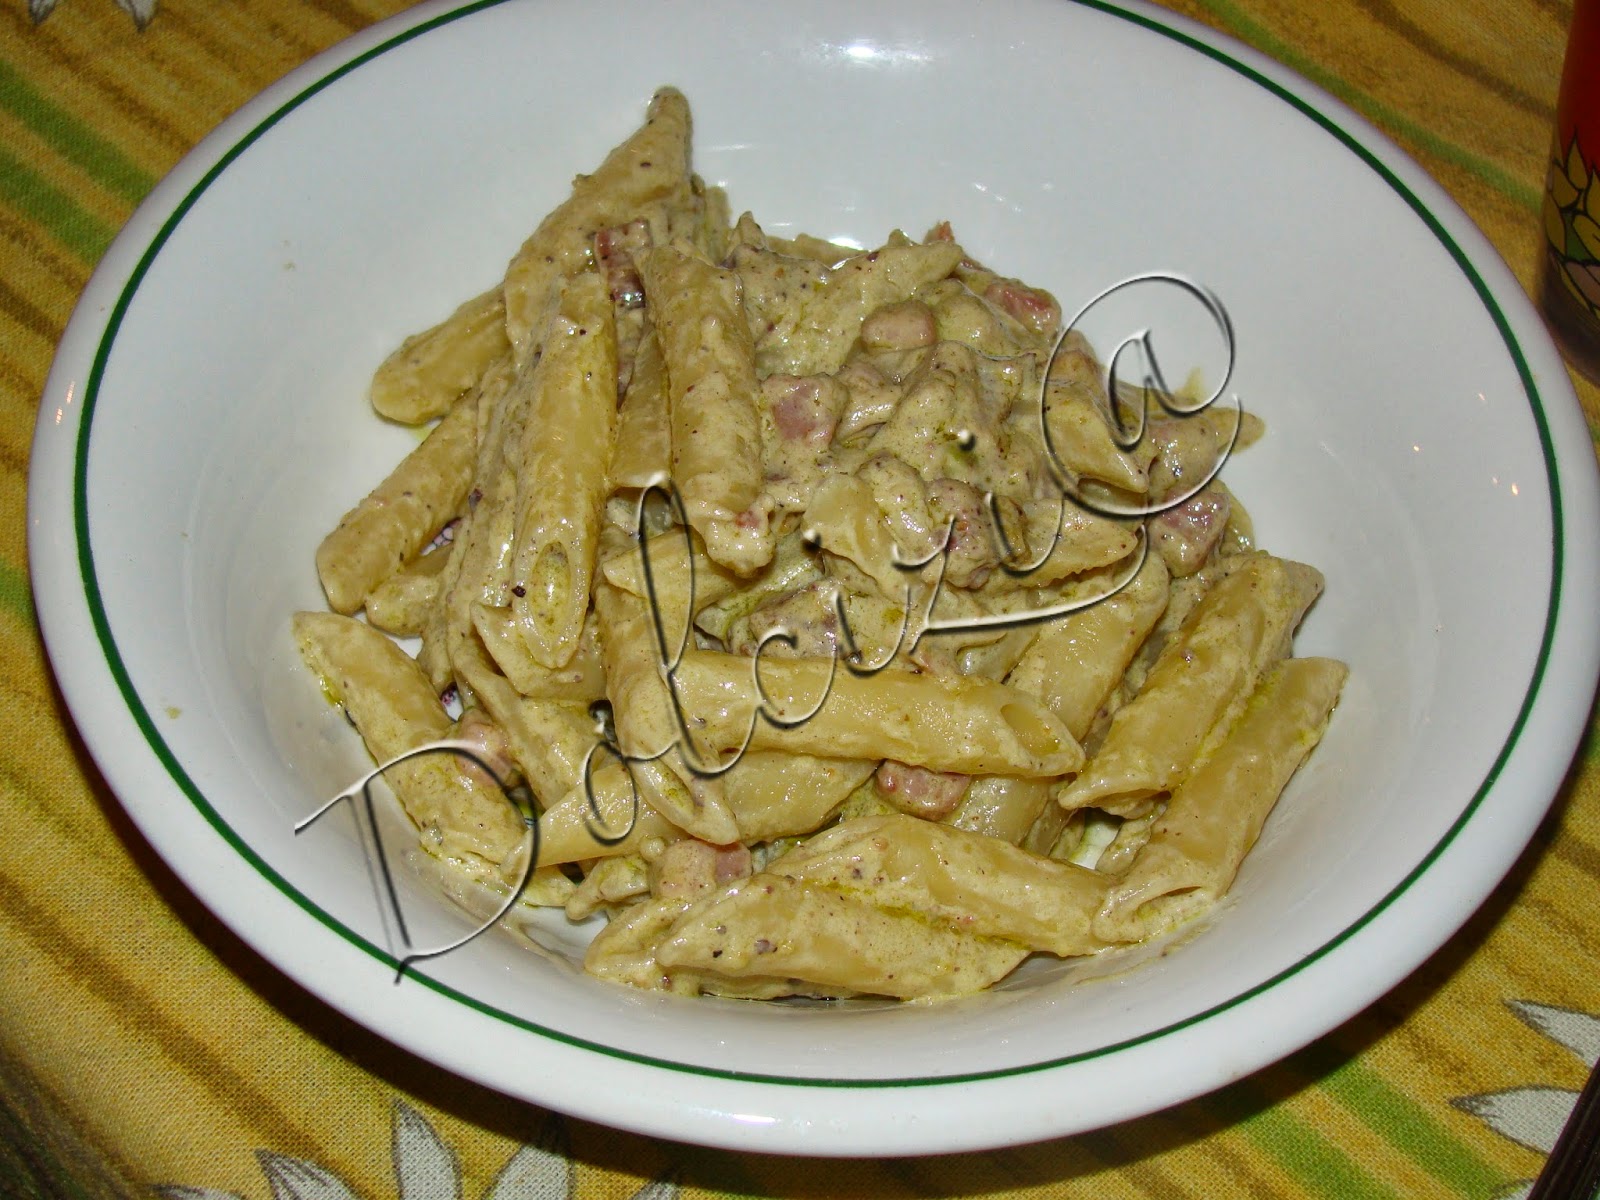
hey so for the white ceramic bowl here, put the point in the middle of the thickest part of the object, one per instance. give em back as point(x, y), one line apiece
point(205, 423)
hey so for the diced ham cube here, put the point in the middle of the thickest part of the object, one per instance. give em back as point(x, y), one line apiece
point(1036, 309)
point(1186, 534)
point(800, 408)
point(690, 868)
point(919, 791)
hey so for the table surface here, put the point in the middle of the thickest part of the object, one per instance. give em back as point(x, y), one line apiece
point(142, 1046)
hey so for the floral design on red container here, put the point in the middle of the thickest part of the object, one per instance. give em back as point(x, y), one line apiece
point(1572, 223)
point(1571, 283)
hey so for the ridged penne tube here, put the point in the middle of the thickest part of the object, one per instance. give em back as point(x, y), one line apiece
point(692, 802)
point(433, 655)
point(448, 618)
point(581, 681)
point(1183, 597)
point(643, 451)
point(481, 892)
point(848, 522)
point(402, 603)
point(549, 740)
point(1078, 541)
point(774, 795)
point(1077, 414)
point(1077, 660)
point(711, 402)
point(713, 222)
point(1215, 816)
point(1002, 806)
point(482, 576)
point(770, 925)
point(995, 659)
point(395, 709)
point(1198, 685)
point(646, 177)
point(499, 420)
point(479, 572)
point(402, 514)
point(683, 579)
point(815, 337)
point(561, 486)
point(566, 828)
point(645, 722)
point(625, 952)
point(430, 370)
point(979, 884)
point(949, 723)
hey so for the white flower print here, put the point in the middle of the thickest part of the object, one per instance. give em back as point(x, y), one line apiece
point(1532, 1115)
point(426, 1169)
point(140, 10)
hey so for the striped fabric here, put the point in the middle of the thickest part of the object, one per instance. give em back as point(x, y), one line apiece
point(142, 1046)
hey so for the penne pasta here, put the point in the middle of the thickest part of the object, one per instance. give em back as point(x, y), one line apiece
point(778, 795)
point(777, 926)
point(561, 481)
point(645, 178)
point(1003, 807)
point(1076, 662)
point(391, 704)
point(646, 723)
point(961, 723)
point(778, 572)
point(581, 681)
point(425, 376)
point(402, 603)
point(709, 358)
point(548, 740)
point(979, 884)
point(643, 452)
point(568, 828)
point(1194, 849)
point(401, 515)
point(1198, 685)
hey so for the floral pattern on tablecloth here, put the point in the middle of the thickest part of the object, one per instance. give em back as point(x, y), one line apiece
point(1533, 1115)
point(426, 1169)
point(140, 10)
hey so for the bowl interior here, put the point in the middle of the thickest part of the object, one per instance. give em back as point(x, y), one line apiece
point(1075, 148)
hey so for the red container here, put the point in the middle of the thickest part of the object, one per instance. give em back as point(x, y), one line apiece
point(1570, 285)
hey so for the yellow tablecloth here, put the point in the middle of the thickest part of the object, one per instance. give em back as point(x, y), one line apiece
point(143, 1046)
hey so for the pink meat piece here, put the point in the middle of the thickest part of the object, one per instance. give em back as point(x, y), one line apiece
point(799, 410)
point(614, 251)
point(489, 745)
point(1036, 309)
point(919, 791)
point(1186, 534)
point(690, 868)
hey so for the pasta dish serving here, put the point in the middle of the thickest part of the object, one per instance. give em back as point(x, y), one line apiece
point(853, 630)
